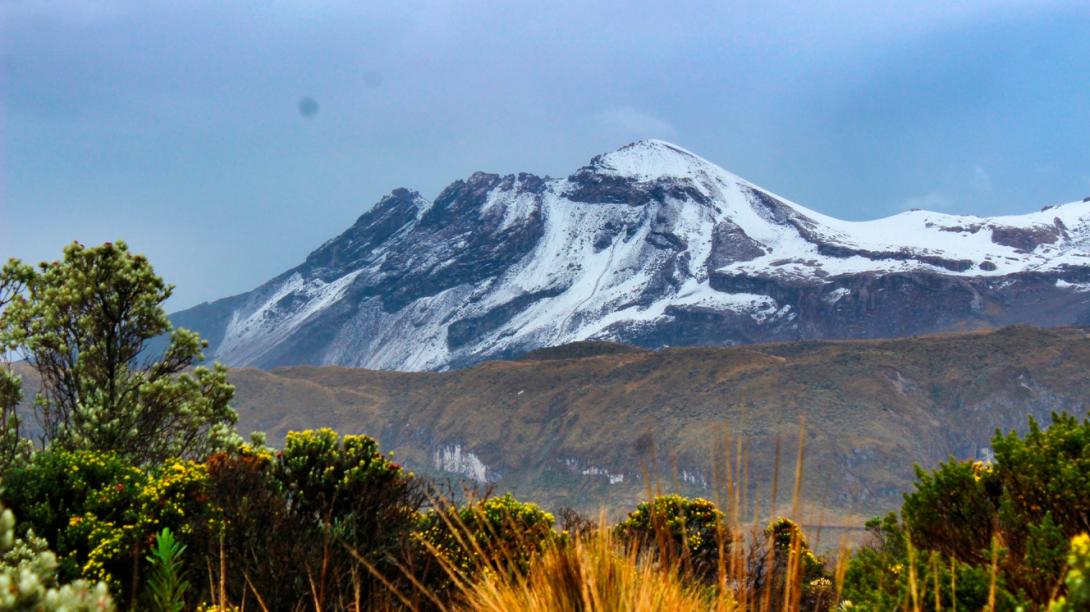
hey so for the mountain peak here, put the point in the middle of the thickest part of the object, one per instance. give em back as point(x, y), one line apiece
point(648, 160)
point(649, 245)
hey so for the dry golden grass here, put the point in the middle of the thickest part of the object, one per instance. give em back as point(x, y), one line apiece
point(595, 571)
point(591, 574)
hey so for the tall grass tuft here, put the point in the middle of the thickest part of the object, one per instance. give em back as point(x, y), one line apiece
point(657, 562)
point(671, 553)
point(597, 573)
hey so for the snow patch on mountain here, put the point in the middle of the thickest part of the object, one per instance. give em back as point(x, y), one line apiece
point(288, 308)
point(576, 466)
point(454, 459)
point(1080, 287)
point(647, 160)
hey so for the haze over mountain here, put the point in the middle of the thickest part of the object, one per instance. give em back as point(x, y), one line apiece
point(649, 245)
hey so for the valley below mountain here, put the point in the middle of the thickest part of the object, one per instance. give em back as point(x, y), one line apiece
point(586, 425)
point(597, 426)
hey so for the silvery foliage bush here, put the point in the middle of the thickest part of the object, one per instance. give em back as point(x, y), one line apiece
point(28, 578)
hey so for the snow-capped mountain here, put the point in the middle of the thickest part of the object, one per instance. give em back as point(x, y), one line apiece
point(649, 245)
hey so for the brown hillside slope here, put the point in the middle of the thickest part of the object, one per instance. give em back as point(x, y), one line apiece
point(575, 425)
point(563, 426)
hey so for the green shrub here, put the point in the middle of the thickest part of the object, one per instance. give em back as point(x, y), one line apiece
point(254, 528)
point(86, 504)
point(1031, 501)
point(879, 577)
point(954, 510)
point(791, 559)
point(300, 526)
point(1048, 471)
point(14, 448)
point(346, 485)
point(1034, 498)
point(499, 534)
point(86, 324)
point(678, 529)
point(99, 513)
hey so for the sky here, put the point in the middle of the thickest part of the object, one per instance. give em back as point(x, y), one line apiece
point(226, 140)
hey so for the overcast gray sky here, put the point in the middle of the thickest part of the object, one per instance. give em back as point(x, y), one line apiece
point(177, 126)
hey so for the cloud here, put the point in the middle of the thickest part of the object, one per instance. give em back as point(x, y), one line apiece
point(629, 122)
point(935, 200)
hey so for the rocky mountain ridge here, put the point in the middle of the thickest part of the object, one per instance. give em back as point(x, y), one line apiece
point(649, 245)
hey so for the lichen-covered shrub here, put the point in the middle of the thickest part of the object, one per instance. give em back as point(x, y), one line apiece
point(28, 577)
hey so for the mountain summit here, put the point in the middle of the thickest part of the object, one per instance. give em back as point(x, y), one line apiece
point(648, 245)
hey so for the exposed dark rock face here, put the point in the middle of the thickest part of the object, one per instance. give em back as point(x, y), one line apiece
point(589, 187)
point(463, 331)
point(730, 244)
point(648, 245)
point(1026, 239)
point(465, 244)
point(353, 248)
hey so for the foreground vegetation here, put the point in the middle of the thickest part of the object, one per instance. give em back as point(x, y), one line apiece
point(135, 492)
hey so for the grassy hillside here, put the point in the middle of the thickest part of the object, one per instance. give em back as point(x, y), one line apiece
point(579, 425)
point(872, 409)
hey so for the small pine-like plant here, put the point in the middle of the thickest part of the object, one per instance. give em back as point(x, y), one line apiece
point(167, 584)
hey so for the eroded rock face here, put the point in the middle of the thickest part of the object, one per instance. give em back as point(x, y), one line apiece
point(1026, 238)
point(649, 245)
point(730, 244)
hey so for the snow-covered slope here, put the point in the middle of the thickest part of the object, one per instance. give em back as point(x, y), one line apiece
point(651, 245)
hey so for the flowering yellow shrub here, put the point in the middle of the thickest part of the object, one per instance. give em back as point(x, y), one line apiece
point(1078, 577)
point(689, 529)
point(176, 492)
point(499, 534)
point(99, 512)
